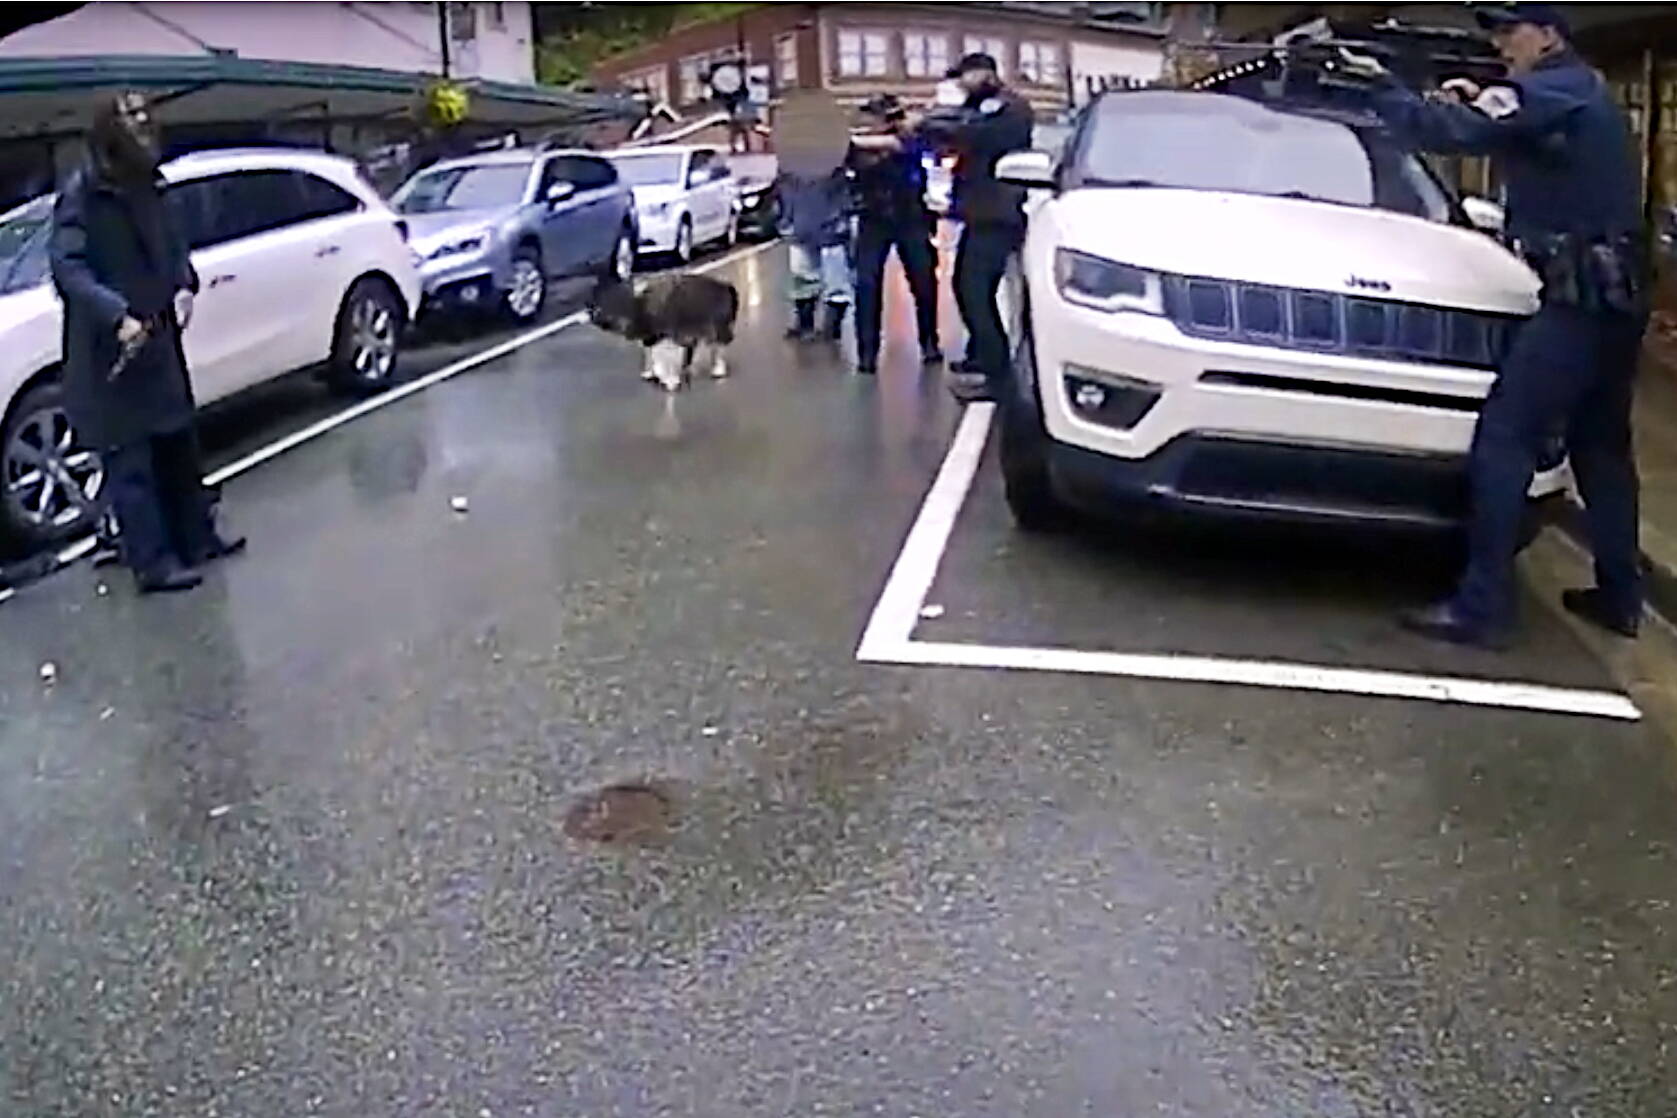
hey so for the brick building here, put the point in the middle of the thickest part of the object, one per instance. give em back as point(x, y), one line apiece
point(1055, 54)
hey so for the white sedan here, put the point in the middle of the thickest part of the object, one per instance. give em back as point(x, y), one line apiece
point(685, 197)
point(301, 264)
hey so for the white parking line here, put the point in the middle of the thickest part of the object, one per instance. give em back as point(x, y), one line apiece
point(85, 546)
point(889, 636)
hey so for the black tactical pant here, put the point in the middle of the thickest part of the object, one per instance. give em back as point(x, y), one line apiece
point(875, 239)
point(980, 265)
point(1569, 372)
point(162, 508)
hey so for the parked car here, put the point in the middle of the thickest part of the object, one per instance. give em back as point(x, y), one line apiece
point(684, 197)
point(302, 265)
point(492, 230)
point(1231, 307)
point(755, 175)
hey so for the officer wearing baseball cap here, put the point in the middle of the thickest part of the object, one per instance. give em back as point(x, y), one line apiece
point(992, 122)
point(1564, 149)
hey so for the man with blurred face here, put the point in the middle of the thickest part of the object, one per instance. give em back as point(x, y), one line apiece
point(1574, 213)
point(122, 270)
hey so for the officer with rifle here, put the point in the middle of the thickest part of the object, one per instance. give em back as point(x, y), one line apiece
point(1564, 150)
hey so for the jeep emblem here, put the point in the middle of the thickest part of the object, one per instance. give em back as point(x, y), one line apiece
point(1368, 284)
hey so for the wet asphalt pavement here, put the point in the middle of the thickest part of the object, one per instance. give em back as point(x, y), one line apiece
point(296, 844)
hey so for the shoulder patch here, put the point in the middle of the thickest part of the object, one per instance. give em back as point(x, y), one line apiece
point(990, 106)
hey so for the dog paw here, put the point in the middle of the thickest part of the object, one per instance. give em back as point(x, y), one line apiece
point(669, 385)
point(649, 374)
point(719, 370)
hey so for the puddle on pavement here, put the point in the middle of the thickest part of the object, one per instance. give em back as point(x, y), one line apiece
point(623, 814)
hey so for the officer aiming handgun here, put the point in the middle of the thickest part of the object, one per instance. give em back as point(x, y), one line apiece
point(1564, 149)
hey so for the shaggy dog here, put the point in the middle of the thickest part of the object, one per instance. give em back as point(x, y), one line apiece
point(682, 321)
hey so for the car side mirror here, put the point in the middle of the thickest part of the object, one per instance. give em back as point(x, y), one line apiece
point(560, 191)
point(1031, 169)
point(1484, 215)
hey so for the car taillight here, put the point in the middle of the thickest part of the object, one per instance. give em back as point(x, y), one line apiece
point(402, 228)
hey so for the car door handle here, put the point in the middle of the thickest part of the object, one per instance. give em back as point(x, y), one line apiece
point(217, 281)
point(328, 250)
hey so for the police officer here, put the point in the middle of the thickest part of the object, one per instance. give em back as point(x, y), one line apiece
point(122, 271)
point(992, 122)
point(1564, 150)
point(890, 183)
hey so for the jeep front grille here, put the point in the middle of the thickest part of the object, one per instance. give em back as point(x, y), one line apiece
point(1292, 318)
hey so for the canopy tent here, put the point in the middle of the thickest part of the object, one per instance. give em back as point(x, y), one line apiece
point(43, 98)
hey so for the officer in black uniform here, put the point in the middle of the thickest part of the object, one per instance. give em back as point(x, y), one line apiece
point(992, 122)
point(887, 162)
point(1564, 149)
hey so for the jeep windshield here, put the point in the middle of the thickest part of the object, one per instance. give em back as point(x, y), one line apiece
point(1214, 142)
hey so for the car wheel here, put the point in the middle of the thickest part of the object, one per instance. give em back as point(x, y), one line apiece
point(1024, 447)
point(684, 241)
point(51, 486)
point(526, 287)
point(620, 266)
point(368, 337)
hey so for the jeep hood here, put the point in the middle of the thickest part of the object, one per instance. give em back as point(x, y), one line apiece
point(1286, 242)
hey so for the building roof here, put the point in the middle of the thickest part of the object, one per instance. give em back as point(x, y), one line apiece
point(54, 96)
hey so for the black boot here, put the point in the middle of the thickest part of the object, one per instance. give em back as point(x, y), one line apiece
point(832, 327)
point(169, 578)
point(1593, 606)
point(803, 320)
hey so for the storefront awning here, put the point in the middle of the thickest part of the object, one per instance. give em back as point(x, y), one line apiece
point(47, 97)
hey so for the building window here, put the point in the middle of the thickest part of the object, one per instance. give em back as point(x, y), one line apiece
point(994, 47)
point(1040, 62)
point(863, 54)
point(786, 61)
point(925, 54)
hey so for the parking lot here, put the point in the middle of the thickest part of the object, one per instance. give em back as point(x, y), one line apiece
point(957, 820)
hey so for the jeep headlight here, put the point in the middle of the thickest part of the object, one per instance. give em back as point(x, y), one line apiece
point(1106, 285)
point(461, 246)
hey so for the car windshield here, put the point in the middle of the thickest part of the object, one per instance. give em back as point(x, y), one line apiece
point(471, 187)
point(652, 169)
point(1207, 141)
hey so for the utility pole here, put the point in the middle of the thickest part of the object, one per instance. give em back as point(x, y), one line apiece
point(442, 34)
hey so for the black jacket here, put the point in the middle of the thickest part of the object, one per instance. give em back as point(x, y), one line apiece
point(991, 127)
point(1566, 152)
point(118, 252)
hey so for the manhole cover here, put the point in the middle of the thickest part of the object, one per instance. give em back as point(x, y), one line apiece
point(620, 813)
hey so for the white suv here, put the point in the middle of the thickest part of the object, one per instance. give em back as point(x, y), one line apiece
point(1230, 307)
point(301, 265)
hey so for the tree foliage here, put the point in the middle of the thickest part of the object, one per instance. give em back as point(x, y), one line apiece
point(574, 38)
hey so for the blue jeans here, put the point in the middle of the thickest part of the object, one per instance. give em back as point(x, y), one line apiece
point(820, 273)
point(1570, 372)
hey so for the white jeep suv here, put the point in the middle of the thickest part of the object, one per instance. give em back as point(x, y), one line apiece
point(1230, 307)
point(301, 265)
